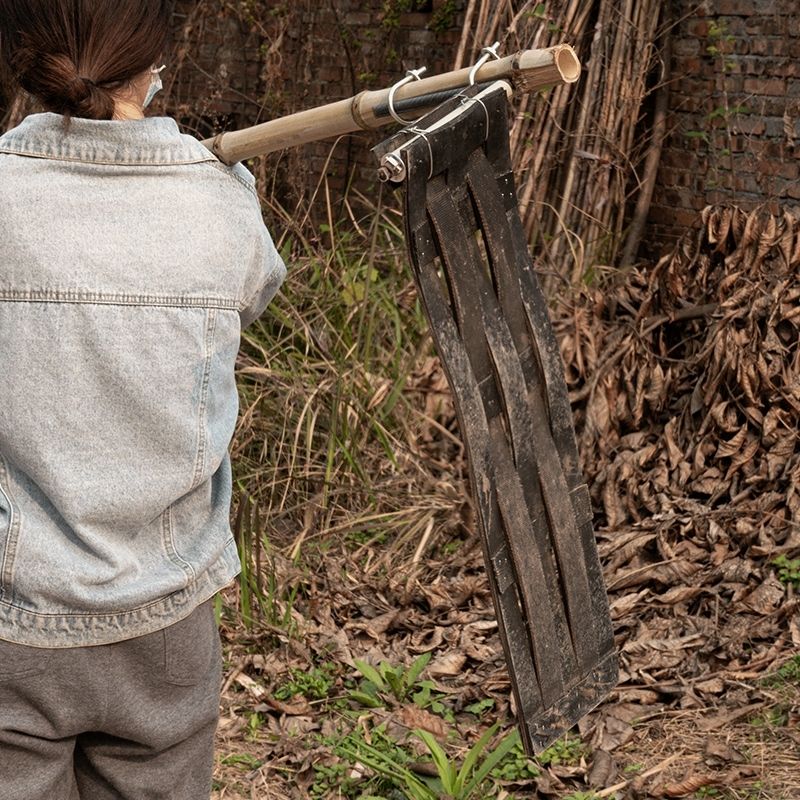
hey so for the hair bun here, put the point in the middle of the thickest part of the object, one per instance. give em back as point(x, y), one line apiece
point(55, 79)
point(75, 55)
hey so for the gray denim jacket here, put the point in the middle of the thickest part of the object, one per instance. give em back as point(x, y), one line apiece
point(130, 259)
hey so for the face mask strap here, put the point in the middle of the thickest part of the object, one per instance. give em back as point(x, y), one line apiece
point(155, 84)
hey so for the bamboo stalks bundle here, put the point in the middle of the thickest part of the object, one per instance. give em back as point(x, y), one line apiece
point(577, 150)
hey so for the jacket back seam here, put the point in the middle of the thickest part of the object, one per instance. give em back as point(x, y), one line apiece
point(110, 162)
point(228, 171)
point(95, 298)
point(200, 460)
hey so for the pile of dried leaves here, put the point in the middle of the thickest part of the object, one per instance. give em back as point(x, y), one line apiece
point(685, 380)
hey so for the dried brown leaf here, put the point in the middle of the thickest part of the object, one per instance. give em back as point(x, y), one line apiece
point(412, 717)
point(448, 664)
point(688, 786)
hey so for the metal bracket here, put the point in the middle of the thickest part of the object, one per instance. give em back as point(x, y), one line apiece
point(411, 75)
point(486, 54)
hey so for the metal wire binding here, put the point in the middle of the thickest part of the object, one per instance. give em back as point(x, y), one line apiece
point(486, 54)
point(424, 134)
point(411, 75)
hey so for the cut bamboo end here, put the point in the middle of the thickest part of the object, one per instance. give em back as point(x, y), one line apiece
point(537, 69)
point(569, 67)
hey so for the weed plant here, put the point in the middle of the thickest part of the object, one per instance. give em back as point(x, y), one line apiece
point(788, 570)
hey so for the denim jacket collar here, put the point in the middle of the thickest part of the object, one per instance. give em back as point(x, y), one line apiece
point(151, 141)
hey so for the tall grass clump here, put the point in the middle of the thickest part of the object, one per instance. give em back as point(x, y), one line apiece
point(330, 441)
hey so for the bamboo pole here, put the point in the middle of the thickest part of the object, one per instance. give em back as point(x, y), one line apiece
point(574, 153)
point(527, 70)
point(653, 159)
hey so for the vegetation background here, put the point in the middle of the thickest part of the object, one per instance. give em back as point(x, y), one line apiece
point(372, 627)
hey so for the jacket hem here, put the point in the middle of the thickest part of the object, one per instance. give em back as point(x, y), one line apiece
point(33, 629)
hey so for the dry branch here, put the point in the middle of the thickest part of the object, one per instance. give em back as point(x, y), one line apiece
point(576, 153)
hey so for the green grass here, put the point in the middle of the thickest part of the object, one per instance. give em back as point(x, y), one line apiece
point(566, 751)
point(788, 674)
point(314, 683)
point(328, 423)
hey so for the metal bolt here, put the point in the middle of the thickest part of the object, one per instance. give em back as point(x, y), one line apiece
point(392, 169)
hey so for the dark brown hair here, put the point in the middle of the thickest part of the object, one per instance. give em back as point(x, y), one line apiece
point(72, 54)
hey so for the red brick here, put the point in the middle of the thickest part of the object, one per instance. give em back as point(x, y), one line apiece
point(739, 8)
point(771, 87)
point(698, 27)
point(763, 46)
point(357, 18)
point(751, 126)
point(687, 47)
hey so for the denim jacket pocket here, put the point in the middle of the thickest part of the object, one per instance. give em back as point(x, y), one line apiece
point(17, 660)
point(192, 647)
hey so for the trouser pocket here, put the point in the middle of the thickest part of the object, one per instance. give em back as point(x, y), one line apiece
point(19, 660)
point(192, 647)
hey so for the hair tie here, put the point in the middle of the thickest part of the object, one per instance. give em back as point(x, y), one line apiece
point(87, 80)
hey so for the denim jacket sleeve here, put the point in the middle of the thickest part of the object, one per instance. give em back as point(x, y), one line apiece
point(266, 271)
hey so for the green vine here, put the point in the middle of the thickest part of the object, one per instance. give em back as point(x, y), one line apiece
point(444, 18)
point(394, 9)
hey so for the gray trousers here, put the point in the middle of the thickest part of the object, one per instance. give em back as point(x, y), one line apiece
point(133, 720)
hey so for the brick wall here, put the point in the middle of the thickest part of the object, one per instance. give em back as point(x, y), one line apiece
point(734, 110)
point(734, 103)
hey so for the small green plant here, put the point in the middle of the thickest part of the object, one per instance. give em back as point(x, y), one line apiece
point(775, 717)
point(461, 782)
point(332, 776)
point(516, 766)
point(567, 751)
point(539, 11)
point(480, 707)
point(453, 781)
point(632, 769)
point(451, 547)
point(254, 723)
point(788, 570)
point(754, 792)
point(719, 37)
point(356, 747)
point(426, 696)
point(721, 112)
point(394, 9)
point(789, 673)
point(313, 684)
point(243, 760)
point(444, 17)
point(385, 681)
